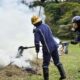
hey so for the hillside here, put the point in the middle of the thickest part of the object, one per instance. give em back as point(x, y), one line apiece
point(59, 15)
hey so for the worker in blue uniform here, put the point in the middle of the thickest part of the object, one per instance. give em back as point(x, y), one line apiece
point(76, 28)
point(43, 34)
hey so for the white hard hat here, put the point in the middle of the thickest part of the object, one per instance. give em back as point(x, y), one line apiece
point(76, 19)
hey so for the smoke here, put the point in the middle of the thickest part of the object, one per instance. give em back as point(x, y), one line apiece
point(4, 59)
point(16, 30)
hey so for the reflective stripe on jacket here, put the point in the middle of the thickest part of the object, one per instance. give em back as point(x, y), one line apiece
point(44, 35)
point(78, 36)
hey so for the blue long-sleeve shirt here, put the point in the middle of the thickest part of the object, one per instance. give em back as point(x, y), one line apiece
point(78, 36)
point(44, 35)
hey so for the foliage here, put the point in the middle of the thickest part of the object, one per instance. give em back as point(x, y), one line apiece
point(61, 14)
point(58, 14)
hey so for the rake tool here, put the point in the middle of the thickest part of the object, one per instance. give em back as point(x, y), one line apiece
point(20, 51)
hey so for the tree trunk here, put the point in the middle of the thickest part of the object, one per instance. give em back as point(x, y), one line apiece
point(56, 1)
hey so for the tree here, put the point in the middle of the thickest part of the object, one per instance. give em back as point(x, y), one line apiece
point(42, 1)
point(56, 1)
point(72, 0)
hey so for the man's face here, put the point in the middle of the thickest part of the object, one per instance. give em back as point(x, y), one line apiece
point(74, 26)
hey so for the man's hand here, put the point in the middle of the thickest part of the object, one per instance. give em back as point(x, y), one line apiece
point(37, 48)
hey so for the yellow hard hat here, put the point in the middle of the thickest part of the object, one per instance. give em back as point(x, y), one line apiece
point(35, 19)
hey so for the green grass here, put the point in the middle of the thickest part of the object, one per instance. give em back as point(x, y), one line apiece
point(71, 62)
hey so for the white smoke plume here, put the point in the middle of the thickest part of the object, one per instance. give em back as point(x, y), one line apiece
point(16, 30)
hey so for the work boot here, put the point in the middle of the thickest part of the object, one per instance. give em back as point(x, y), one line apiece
point(61, 71)
point(46, 73)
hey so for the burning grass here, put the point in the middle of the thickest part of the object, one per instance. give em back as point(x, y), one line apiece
point(15, 73)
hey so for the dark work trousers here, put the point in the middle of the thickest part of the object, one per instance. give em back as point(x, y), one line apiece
point(47, 56)
point(46, 60)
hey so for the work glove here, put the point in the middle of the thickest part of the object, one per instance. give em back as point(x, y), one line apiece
point(37, 48)
point(74, 42)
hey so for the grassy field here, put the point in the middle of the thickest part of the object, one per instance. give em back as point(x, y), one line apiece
point(71, 62)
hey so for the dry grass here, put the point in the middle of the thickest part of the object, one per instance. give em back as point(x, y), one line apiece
point(14, 73)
